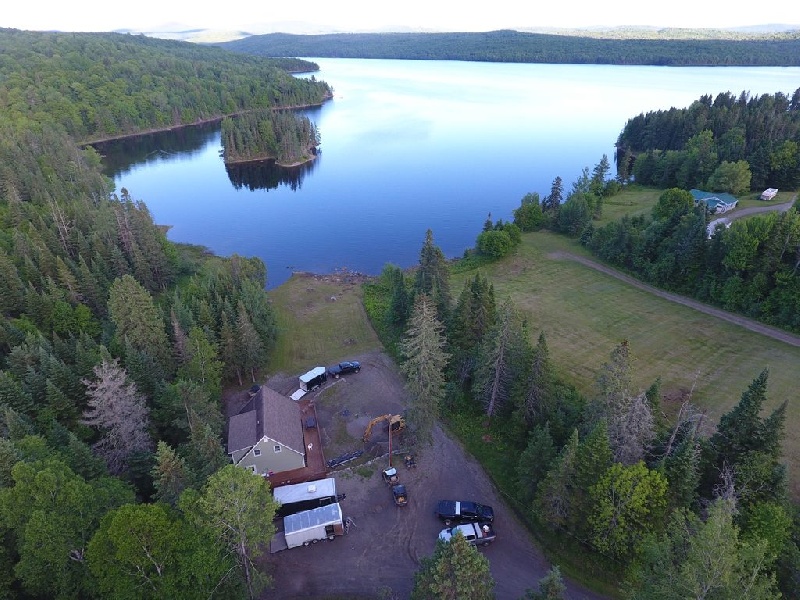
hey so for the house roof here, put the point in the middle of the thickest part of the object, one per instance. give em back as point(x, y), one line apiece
point(283, 419)
point(714, 198)
point(270, 414)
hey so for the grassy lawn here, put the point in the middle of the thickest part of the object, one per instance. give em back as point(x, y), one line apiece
point(321, 320)
point(585, 314)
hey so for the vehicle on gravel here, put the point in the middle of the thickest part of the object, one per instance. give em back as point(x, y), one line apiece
point(454, 511)
point(477, 534)
point(343, 368)
point(390, 476)
point(400, 495)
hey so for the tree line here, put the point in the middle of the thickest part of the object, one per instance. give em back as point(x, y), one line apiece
point(728, 144)
point(115, 343)
point(667, 508)
point(522, 47)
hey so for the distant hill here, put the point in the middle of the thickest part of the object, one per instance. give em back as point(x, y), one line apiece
point(623, 46)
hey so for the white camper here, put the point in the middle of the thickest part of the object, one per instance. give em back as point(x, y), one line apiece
point(311, 526)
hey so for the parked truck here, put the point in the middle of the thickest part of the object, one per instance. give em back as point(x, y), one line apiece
point(309, 527)
point(304, 496)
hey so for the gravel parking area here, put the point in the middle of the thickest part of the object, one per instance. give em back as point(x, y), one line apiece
point(381, 553)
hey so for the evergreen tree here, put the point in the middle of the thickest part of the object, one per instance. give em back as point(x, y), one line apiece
point(538, 398)
point(456, 570)
point(498, 364)
point(535, 461)
point(551, 587)
point(137, 319)
point(170, 476)
point(118, 411)
point(552, 202)
point(433, 277)
point(424, 361)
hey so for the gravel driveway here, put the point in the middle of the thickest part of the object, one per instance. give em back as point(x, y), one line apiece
point(380, 555)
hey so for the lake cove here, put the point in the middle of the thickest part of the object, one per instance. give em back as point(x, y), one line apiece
point(407, 146)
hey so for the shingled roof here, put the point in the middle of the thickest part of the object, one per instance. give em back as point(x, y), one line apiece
point(268, 413)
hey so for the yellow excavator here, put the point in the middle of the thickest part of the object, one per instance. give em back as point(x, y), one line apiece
point(396, 423)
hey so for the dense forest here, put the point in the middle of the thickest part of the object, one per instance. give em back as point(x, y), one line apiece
point(705, 144)
point(661, 508)
point(282, 135)
point(115, 343)
point(520, 47)
point(140, 83)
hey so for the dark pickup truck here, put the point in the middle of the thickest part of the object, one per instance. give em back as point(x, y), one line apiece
point(451, 511)
point(350, 366)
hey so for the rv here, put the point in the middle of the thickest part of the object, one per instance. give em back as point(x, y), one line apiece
point(309, 527)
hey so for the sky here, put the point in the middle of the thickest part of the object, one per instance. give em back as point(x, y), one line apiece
point(368, 15)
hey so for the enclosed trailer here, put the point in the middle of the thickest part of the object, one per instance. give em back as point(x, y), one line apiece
point(311, 526)
point(304, 496)
point(313, 379)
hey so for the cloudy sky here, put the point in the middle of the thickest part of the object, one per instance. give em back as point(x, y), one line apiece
point(365, 15)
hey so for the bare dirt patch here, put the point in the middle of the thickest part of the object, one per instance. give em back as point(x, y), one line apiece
point(380, 555)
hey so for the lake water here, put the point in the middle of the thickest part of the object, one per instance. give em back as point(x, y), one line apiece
point(408, 146)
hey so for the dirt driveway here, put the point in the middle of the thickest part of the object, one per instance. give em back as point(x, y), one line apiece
point(380, 555)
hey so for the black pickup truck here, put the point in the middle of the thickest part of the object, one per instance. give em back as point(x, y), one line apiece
point(350, 366)
point(453, 511)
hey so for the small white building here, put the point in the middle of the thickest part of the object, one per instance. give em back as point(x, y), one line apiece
point(768, 194)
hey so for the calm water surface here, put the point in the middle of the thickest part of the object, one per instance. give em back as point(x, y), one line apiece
point(407, 146)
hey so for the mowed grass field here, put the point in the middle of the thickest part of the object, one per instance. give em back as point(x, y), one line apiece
point(321, 321)
point(585, 314)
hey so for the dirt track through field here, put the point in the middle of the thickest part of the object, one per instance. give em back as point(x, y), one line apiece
point(773, 332)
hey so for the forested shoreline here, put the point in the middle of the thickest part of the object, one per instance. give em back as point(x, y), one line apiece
point(115, 343)
point(521, 47)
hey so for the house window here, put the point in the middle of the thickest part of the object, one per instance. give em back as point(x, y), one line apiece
point(252, 468)
point(257, 452)
point(277, 448)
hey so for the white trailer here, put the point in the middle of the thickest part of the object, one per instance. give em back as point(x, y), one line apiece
point(311, 526)
point(313, 379)
point(304, 496)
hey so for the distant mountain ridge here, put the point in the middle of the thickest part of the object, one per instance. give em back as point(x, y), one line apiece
point(184, 32)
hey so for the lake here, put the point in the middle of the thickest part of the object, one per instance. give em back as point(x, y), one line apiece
point(408, 146)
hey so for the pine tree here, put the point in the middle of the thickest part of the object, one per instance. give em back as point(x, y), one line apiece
point(499, 360)
point(118, 411)
point(170, 476)
point(538, 398)
point(424, 361)
point(456, 570)
point(433, 277)
point(252, 351)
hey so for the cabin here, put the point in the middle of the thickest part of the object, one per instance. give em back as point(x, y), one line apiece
point(267, 435)
point(768, 194)
point(717, 202)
